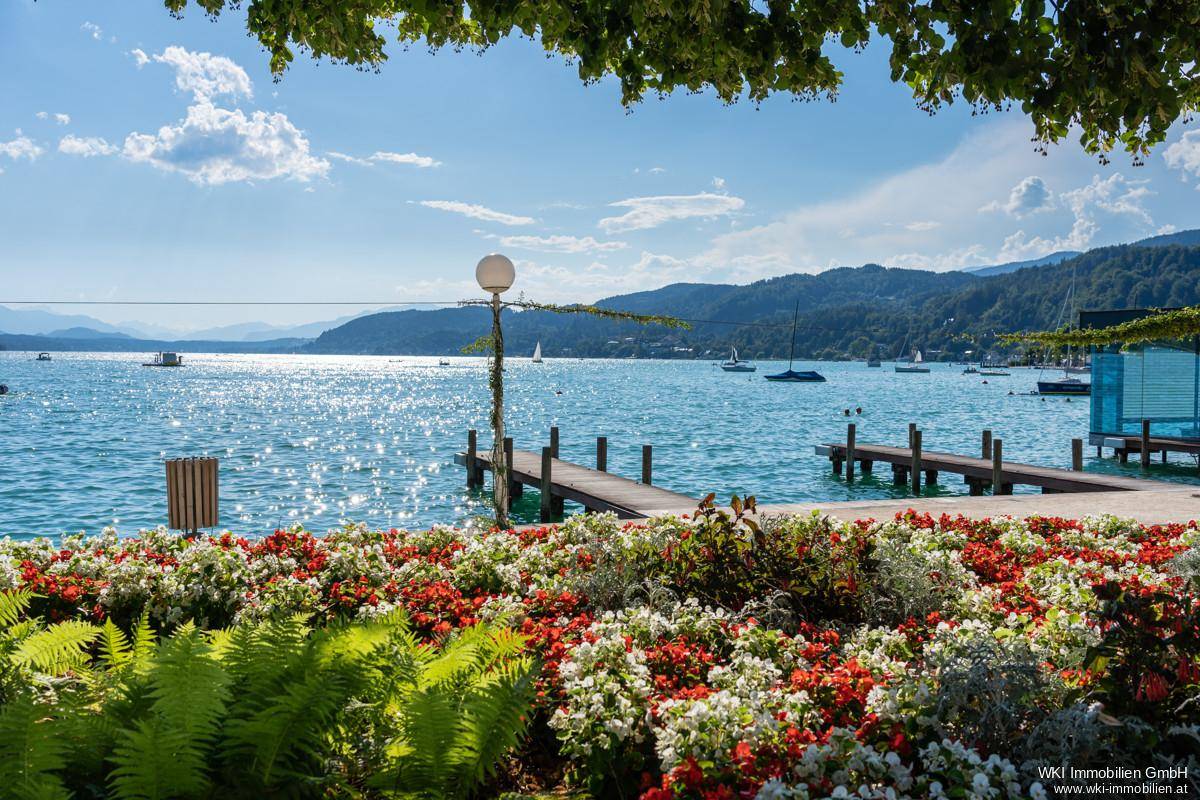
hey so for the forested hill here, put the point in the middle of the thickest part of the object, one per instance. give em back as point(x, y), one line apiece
point(843, 312)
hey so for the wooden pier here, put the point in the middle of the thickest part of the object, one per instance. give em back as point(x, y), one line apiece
point(558, 480)
point(910, 464)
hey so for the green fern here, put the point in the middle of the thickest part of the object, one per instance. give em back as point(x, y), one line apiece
point(167, 754)
point(57, 649)
point(31, 752)
point(13, 605)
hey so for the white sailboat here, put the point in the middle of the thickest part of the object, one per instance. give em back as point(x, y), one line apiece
point(735, 364)
point(917, 365)
point(537, 353)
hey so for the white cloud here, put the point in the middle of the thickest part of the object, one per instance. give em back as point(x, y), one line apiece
point(139, 57)
point(650, 212)
point(657, 170)
point(1184, 155)
point(1114, 196)
point(922, 225)
point(362, 162)
point(93, 29)
point(1029, 196)
point(204, 75)
point(718, 183)
point(21, 147)
point(61, 119)
point(216, 145)
point(477, 212)
point(406, 158)
point(561, 244)
point(85, 146)
point(413, 159)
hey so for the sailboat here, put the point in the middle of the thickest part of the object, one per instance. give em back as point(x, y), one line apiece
point(537, 353)
point(794, 376)
point(1068, 384)
point(917, 365)
point(735, 364)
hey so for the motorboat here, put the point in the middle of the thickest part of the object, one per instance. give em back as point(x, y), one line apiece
point(1066, 386)
point(165, 360)
point(43, 357)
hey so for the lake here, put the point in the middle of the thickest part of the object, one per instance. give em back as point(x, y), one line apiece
point(323, 439)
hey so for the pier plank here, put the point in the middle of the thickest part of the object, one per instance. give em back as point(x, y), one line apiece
point(596, 490)
point(1061, 480)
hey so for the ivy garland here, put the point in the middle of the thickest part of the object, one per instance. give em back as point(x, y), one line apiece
point(1180, 323)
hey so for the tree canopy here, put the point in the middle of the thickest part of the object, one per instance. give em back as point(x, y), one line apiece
point(1121, 70)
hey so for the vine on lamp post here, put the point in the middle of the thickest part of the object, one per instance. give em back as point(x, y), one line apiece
point(496, 274)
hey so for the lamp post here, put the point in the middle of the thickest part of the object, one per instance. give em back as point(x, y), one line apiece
point(495, 274)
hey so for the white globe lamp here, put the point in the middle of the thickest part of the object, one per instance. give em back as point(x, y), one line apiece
point(495, 273)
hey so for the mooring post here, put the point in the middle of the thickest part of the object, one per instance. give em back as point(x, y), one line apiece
point(998, 485)
point(987, 444)
point(546, 491)
point(646, 464)
point(515, 487)
point(554, 441)
point(915, 474)
point(1077, 455)
point(850, 451)
point(602, 453)
point(912, 429)
point(472, 448)
point(1145, 444)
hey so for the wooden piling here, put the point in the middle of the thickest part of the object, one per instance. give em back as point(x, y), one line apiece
point(987, 444)
point(915, 471)
point(646, 464)
point(546, 485)
point(1077, 455)
point(1145, 444)
point(515, 487)
point(998, 484)
point(850, 452)
point(912, 429)
point(554, 441)
point(472, 469)
point(602, 453)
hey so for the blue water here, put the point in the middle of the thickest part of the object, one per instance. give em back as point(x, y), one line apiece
point(323, 439)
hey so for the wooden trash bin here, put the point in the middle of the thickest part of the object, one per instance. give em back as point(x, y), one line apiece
point(192, 493)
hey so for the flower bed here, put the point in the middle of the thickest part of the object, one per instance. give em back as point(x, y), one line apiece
point(710, 658)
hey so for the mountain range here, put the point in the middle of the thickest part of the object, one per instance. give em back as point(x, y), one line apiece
point(841, 312)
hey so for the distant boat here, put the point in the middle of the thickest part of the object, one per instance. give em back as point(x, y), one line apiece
point(791, 375)
point(43, 357)
point(165, 360)
point(873, 362)
point(970, 370)
point(917, 365)
point(1067, 386)
point(443, 362)
point(735, 364)
point(537, 353)
point(3, 389)
point(994, 372)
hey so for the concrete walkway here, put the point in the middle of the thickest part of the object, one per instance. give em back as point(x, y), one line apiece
point(1156, 506)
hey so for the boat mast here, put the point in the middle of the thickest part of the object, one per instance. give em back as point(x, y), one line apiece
point(792, 351)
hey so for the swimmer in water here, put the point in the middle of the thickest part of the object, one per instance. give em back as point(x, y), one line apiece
point(858, 409)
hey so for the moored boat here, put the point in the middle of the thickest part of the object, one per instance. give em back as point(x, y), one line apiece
point(43, 357)
point(537, 353)
point(165, 360)
point(1066, 386)
point(916, 365)
point(735, 364)
point(791, 375)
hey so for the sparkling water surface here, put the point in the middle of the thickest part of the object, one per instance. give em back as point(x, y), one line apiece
point(327, 439)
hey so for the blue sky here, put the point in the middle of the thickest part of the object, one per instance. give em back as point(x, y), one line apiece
point(145, 157)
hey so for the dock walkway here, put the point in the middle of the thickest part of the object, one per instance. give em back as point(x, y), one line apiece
point(979, 472)
point(596, 490)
